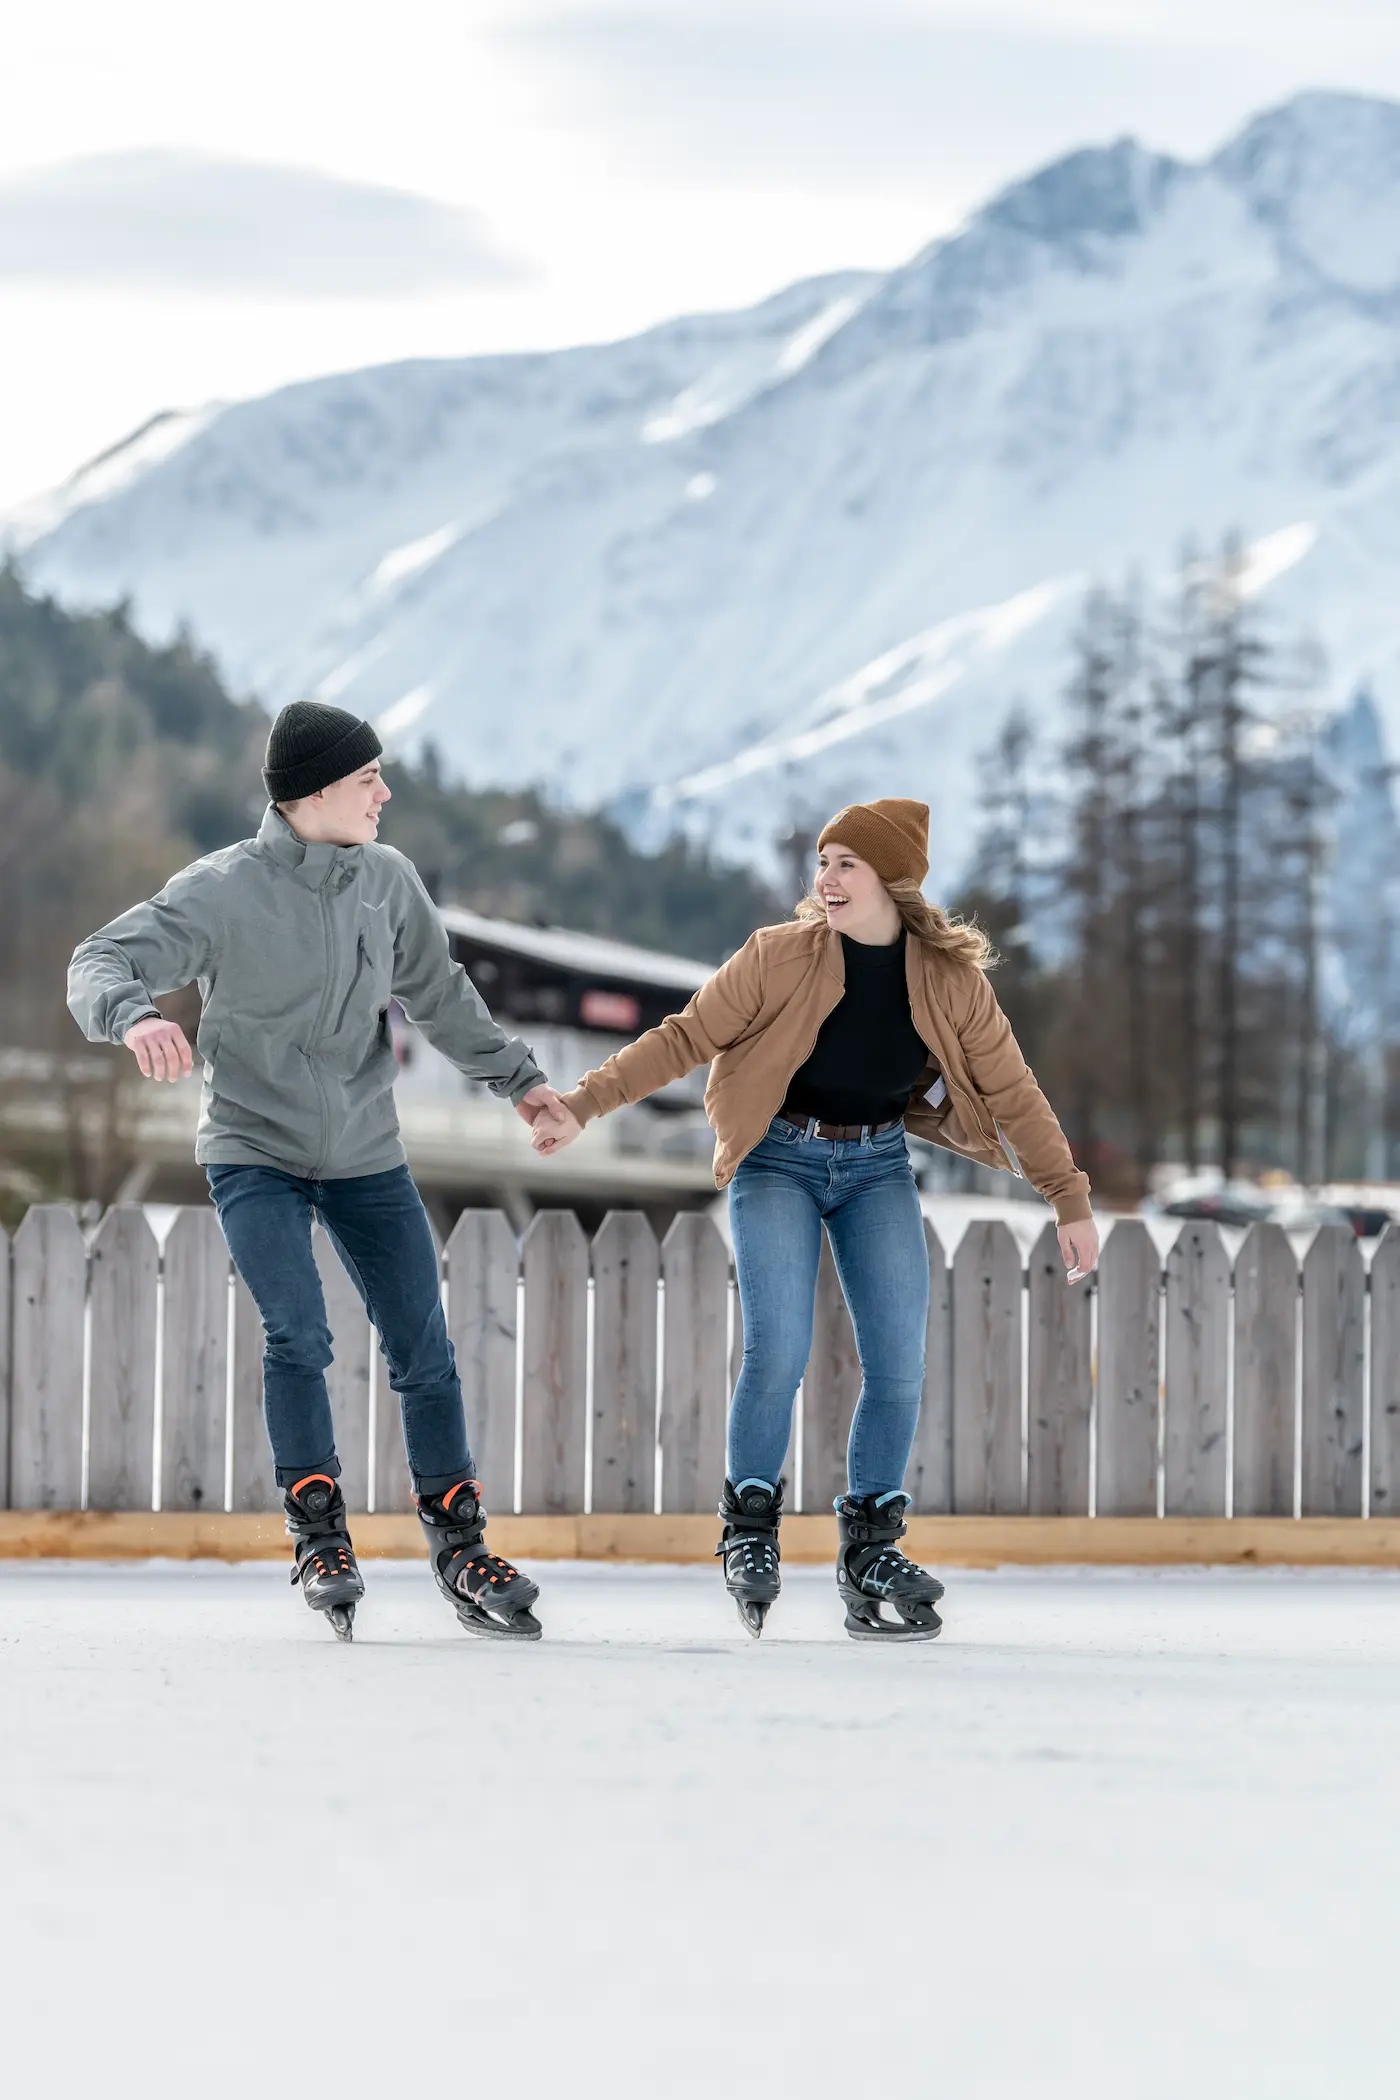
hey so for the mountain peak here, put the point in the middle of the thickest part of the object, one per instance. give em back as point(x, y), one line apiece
point(1074, 215)
point(1323, 172)
point(1106, 192)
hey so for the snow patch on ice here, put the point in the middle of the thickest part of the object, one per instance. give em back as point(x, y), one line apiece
point(700, 488)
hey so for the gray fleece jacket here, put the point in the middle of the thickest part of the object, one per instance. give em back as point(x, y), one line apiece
point(297, 950)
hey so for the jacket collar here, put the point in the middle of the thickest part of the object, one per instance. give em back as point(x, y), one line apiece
point(312, 866)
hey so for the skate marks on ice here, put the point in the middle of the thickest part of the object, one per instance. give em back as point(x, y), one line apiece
point(1150, 1815)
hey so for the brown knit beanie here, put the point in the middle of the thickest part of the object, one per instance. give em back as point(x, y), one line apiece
point(892, 835)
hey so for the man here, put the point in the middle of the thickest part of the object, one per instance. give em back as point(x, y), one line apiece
point(299, 938)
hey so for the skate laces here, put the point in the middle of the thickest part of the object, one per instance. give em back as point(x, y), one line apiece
point(482, 1564)
point(331, 1558)
point(751, 1543)
point(884, 1570)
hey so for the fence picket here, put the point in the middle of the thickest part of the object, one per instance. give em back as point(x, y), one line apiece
point(695, 1374)
point(987, 1372)
point(968, 1452)
point(930, 1475)
point(254, 1478)
point(393, 1484)
point(122, 1384)
point(626, 1270)
point(555, 1257)
point(1061, 1385)
point(347, 1380)
point(194, 1363)
point(483, 1267)
point(830, 1389)
point(4, 1368)
point(1194, 1411)
point(1385, 1374)
point(1334, 1284)
point(46, 1399)
point(1129, 1372)
point(1266, 1363)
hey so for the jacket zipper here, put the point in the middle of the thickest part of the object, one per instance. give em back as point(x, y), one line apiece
point(325, 1131)
point(354, 983)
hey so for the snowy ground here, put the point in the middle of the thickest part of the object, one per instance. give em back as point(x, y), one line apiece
point(1129, 1835)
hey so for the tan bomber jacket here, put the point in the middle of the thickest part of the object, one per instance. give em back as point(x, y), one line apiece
point(756, 1020)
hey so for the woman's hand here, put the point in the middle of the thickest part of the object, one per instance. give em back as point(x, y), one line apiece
point(1079, 1244)
point(554, 1128)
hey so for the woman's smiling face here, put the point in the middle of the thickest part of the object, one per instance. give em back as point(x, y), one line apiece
point(855, 900)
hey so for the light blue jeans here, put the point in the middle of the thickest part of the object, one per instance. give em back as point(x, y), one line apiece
point(864, 1191)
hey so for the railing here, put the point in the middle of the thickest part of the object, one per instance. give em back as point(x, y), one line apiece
point(597, 1375)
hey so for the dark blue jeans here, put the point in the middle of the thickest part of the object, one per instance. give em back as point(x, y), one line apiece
point(379, 1228)
point(864, 1192)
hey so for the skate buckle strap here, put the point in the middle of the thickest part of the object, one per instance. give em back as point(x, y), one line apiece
point(860, 1533)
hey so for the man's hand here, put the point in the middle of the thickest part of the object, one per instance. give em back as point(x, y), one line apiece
point(554, 1129)
point(1079, 1245)
point(539, 1097)
point(161, 1048)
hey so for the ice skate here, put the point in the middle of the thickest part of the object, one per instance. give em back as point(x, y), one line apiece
point(752, 1512)
point(325, 1559)
point(488, 1595)
point(872, 1573)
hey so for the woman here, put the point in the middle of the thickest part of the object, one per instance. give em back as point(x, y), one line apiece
point(868, 1014)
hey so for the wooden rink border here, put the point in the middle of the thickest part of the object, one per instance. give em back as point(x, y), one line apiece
point(941, 1542)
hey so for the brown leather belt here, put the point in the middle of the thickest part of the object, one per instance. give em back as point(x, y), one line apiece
point(837, 1133)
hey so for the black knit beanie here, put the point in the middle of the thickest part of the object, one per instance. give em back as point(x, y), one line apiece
point(312, 745)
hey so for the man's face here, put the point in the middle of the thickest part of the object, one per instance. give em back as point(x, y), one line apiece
point(347, 812)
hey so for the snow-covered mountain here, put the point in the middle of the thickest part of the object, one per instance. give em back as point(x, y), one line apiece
point(808, 552)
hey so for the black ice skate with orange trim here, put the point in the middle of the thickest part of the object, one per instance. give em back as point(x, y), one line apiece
point(325, 1559)
point(488, 1595)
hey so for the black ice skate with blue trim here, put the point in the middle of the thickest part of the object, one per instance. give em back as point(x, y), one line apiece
point(748, 1546)
point(872, 1574)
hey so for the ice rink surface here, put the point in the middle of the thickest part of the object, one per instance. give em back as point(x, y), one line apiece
point(1115, 1834)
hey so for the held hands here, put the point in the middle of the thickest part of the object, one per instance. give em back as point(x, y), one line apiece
point(551, 1124)
point(160, 1048)
point(1079, 1244)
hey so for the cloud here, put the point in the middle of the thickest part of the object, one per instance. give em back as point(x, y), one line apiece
point(170, 220)
point(837, 98)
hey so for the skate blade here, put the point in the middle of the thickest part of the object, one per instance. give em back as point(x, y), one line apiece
point(341, 1620)
point(893, 1629)
point(752, 1616)
point(521, 1626)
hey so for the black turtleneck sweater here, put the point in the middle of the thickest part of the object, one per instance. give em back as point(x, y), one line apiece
point(869, 1056)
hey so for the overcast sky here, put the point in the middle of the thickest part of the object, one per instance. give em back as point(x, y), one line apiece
point(202, 202)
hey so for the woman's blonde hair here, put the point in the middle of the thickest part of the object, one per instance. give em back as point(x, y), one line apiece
point(961, 939)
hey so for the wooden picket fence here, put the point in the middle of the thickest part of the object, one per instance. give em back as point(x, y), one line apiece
point(597, 1375)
